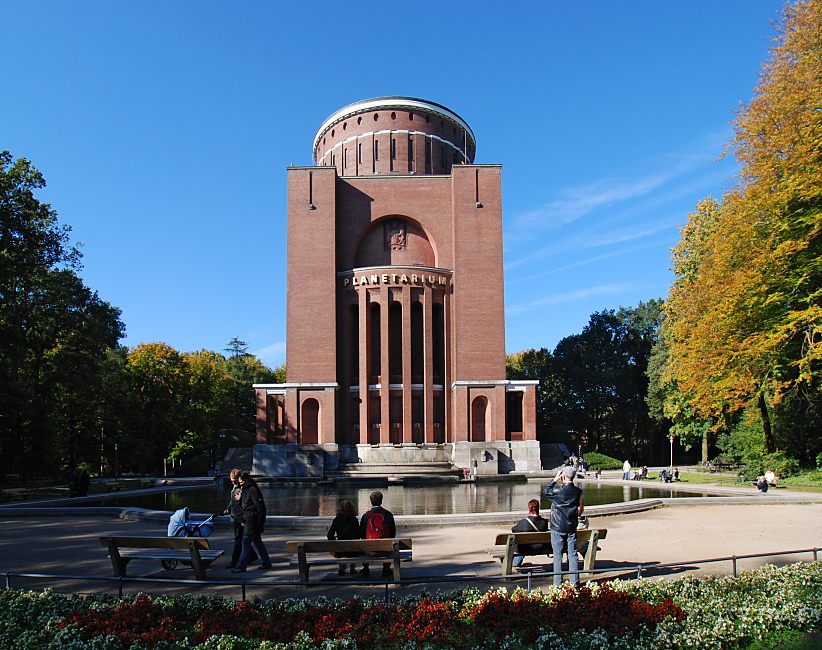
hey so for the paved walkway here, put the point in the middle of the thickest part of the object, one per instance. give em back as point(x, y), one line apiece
point(61, 544)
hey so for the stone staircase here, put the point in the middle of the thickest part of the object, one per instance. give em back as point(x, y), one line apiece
point(354, 470)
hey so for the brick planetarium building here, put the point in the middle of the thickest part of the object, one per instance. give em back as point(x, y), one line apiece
point(395, 311)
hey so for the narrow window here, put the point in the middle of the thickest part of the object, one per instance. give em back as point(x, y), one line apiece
point(359, 153)
point(393, 148)
point(376, 149)
point(410, 149)
point(345, 158)
point(428, 157)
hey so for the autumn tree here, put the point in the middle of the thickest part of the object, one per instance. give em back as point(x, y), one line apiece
point(744, 316)
point(158, 383)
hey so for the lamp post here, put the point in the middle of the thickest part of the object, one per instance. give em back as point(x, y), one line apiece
point(116, 465)
point(671, 438)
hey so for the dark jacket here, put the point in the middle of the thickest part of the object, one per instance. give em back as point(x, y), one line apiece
point(390, 527)
point(524, 527)
point(565, 500)
point(344, 528)
point(253, 508)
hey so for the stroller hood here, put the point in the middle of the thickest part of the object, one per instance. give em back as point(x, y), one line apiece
point(177, 523)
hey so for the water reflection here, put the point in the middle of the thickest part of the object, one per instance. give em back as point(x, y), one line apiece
point(313, 500)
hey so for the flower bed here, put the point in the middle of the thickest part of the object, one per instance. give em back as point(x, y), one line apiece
point(691, 612)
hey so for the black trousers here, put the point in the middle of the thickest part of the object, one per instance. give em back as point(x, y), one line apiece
point(238, 545)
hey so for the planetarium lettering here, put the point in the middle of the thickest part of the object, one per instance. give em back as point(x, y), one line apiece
point(371, 279)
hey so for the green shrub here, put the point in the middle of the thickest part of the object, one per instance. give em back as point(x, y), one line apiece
point(595, 460)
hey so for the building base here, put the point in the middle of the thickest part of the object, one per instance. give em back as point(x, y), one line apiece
point(318, 461)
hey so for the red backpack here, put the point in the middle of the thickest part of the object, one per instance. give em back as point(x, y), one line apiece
point(375, 529)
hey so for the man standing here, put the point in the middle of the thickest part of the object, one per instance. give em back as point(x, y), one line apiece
point(533, 523)
point(626, 471)
point(377, 523)
point(566, 507)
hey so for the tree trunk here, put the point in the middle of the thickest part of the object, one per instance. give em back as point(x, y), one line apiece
point(770, 446)
point(705, 448)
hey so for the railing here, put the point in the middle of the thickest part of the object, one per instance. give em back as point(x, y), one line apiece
point(386, 584)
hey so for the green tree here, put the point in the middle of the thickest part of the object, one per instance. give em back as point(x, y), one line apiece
point(593, 386)
point(536, 364)
point(54, 331)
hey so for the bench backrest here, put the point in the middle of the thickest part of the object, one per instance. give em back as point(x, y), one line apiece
point(583, 535)
point(156, 542)
point(346, 545)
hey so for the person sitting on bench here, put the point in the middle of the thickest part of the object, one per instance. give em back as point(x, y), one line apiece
point(533, 523)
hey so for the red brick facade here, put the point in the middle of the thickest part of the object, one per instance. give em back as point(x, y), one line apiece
point(395, 311)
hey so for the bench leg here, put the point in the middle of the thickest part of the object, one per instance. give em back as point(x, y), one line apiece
point(591, 554)
point(396, 554)
point(303, 563)
point(118, 563)
point(197, 562)
point(508, 560)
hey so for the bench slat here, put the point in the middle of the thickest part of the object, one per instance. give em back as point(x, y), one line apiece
point(347, 545)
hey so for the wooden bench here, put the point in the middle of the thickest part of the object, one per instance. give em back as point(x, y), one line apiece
point(195, 550)
point(508, 543)
point(367, 550)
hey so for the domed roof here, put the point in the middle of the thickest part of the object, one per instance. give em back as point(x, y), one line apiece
point(410, 104)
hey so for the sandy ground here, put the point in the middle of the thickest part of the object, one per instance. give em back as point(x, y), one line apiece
point(450, 556)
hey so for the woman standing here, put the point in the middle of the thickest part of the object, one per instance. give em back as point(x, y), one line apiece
point(253, 520)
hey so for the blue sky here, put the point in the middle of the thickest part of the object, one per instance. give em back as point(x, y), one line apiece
point(164, 130)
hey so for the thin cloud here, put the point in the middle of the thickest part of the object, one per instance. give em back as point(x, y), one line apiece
point(583, 200)
point(571, 296)
point(577, 202)
point(589, 260)
point(273, 354)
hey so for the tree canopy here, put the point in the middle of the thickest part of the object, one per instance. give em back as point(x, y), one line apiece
point(743, 320)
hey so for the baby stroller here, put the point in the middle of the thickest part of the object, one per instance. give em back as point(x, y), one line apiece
point(179, 525)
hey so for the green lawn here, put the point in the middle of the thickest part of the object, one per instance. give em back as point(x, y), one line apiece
point(807, 481)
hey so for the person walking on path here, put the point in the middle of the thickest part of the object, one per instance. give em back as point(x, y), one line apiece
point(377, 523)
point(254, 513)
point(626, 471)
point(235, 510)
point(345, 526)
point(566, 507)
point(533, 523)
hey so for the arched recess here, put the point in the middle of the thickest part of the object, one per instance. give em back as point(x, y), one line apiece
point(310, 422)
point(395, 240)
point(479, 413)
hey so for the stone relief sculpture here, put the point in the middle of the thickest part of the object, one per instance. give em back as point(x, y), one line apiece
point(395, 235)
